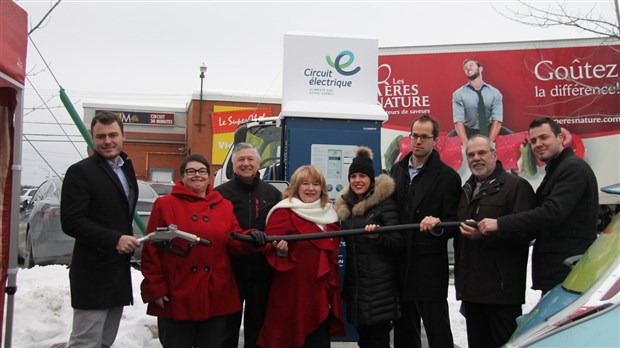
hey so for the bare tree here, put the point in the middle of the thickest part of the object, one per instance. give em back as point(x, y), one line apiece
point(44, 18)
point(560, 14)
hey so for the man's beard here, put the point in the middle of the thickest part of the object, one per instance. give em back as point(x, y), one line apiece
point(474, 76)
point(483, 172)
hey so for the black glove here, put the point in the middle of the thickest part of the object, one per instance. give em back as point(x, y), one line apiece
point(258, 238)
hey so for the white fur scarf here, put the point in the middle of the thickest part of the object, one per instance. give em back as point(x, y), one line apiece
point(309, 211)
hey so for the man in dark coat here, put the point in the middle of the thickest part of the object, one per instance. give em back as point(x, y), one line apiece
point(98, 201)
point(252, 200)
point(490, 270)
point(566, 214)
point(425, 186)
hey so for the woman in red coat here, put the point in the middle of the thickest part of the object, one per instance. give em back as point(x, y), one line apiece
point(304, 307)
point(192, 294)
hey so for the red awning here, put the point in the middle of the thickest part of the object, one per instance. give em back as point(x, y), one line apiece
point(13, 41)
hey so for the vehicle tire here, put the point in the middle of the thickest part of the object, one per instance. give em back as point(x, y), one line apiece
point(29, 259)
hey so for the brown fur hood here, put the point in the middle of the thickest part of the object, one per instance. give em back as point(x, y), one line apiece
point(384, 187)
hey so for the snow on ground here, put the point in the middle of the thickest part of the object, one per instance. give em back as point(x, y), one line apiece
point(43, 313)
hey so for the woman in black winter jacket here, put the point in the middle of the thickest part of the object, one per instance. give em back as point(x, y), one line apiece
point(370, 288)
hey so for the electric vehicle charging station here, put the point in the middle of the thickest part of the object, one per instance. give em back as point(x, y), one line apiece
point(330, 108)
point(329, 144)
point(329, 104)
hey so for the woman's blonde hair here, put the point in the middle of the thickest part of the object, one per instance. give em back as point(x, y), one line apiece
point(302, 173)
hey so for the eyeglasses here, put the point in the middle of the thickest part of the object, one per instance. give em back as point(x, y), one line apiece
point(192, 171)
point(422, 137)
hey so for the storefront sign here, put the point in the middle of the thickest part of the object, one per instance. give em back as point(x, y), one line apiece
point(144, 118)
point(224, 125)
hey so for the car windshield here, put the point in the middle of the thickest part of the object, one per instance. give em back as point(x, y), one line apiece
point(267, 142)
point(162, 188)
point(145, 191)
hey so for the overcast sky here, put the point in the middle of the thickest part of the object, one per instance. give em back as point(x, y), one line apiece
point(149, 52)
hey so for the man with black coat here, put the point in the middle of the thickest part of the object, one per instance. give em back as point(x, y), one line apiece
point(425, 186)
point(490, 270)
point(97, 203)
point(252, 200)
point(566, 212)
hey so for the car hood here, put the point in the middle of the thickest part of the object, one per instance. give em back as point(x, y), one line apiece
point(592, 288)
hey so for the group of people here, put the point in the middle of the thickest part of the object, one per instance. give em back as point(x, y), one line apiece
point(290, 290)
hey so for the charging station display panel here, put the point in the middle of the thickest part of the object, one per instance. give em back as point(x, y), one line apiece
point(329, 144)
point(334, 161)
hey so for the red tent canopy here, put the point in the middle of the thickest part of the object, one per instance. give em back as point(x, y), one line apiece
point(13, 45)
point(13, 41)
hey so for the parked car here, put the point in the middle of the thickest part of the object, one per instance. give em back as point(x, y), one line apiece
point(25, 196)
point(146, 197)
point(41, 240)
point(162, 188)
point(583, 311)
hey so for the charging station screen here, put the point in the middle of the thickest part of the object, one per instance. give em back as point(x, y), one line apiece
point(334, 160)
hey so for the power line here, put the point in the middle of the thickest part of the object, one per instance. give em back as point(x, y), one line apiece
point(51, 113)
point(44, 102)
point(44, 61)
point(52, 141)
point(43, 158)
point(51, 135)
point(54, 156)
point(56, 123)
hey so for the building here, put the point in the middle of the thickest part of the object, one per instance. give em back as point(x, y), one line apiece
point(159, 137)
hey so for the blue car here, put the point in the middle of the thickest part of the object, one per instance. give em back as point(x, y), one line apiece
point(584, 310)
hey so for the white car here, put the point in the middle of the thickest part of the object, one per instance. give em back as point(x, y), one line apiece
point(41, 240)
point(26, 195)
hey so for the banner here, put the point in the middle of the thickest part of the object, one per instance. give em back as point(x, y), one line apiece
point(577, 86)
point(574, 82)
point(228, 121)
point(225, 123)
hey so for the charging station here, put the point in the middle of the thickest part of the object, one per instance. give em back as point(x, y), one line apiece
point(330, 108)
point(329, 104)
point(330, 144)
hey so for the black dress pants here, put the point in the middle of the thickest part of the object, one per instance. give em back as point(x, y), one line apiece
point(255, 294)
point(374, 336)
point(490, 325)
point(320, 337)
point(436, 318)
point(192, 334)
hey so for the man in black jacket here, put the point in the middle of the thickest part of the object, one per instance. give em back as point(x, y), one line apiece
point(97, 203)
point(425, 186)
point(252, 200)
point(490, 270)
point(567, 207)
